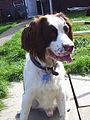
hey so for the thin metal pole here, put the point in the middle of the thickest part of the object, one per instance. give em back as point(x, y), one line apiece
point(74, 95)
point(51, 7)
point(42, 7)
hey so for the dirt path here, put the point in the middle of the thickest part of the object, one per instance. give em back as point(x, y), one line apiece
point(13, 102)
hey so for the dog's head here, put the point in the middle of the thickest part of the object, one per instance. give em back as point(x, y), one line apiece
point(49, 35)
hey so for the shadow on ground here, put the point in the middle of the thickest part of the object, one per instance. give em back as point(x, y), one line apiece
point(36, 114)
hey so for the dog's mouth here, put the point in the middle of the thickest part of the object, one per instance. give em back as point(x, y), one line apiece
point(65, 56)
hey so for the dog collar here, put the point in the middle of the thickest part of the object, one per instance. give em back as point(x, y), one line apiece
point(47, 69)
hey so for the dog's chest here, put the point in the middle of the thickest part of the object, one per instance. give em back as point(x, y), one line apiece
point(47, 93)
point(47, 88)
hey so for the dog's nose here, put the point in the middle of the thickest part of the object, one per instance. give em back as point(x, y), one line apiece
point(68, 48)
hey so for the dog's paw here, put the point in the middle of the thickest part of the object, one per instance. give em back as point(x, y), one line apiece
point(35, 104)
point(17, 116)
point(62, 118)
point(49, 112)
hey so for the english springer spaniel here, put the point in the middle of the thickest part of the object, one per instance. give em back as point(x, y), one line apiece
point(48, 41)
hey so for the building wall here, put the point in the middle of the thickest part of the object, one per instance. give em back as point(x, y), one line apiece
point(7, 10)
point(4, 4)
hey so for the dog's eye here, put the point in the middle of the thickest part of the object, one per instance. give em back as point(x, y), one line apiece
point(53, 32)
point(66, 29)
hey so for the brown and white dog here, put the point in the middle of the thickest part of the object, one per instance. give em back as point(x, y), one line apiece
point(48, 41)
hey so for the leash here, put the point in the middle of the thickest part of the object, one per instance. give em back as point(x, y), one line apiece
point(74, 95)
point(75, 98)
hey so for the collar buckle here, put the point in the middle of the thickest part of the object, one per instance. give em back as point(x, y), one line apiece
point(52, 70)
point(47, 69)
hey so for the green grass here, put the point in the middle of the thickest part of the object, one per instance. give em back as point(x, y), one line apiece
point(81, 56)
point(80, 27)
point(6, 26)
point(76, 16)
point(1, 105)
point(11, 63)
point(79, 16)
point(3, 87)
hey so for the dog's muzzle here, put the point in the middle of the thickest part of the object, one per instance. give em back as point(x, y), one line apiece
point(64, 55)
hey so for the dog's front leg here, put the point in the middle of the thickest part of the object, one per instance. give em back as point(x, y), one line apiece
point(61, 102)
point(26, 105)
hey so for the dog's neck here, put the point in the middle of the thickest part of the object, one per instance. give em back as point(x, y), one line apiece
point(48, 62)
point(49, 66)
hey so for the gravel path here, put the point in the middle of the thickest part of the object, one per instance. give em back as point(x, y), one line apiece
point(13, 102)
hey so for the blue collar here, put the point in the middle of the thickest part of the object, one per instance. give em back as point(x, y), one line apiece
point(47, 69)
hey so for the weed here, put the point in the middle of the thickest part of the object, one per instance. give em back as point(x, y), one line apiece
point(1, 105)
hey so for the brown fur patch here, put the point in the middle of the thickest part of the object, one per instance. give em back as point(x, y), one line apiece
point(37, 37)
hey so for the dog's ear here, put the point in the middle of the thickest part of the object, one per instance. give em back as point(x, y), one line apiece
point(70, 33)
point(27, 37)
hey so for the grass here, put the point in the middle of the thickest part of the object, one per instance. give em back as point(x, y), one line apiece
point(12, 60)
point(6, 26)
point(78, 16)
point(1, 105)
point(78, 27)
point(11, 64)
point(81, 56)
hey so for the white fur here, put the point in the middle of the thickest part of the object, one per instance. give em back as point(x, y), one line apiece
point(62, 39)
point(51, 94)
